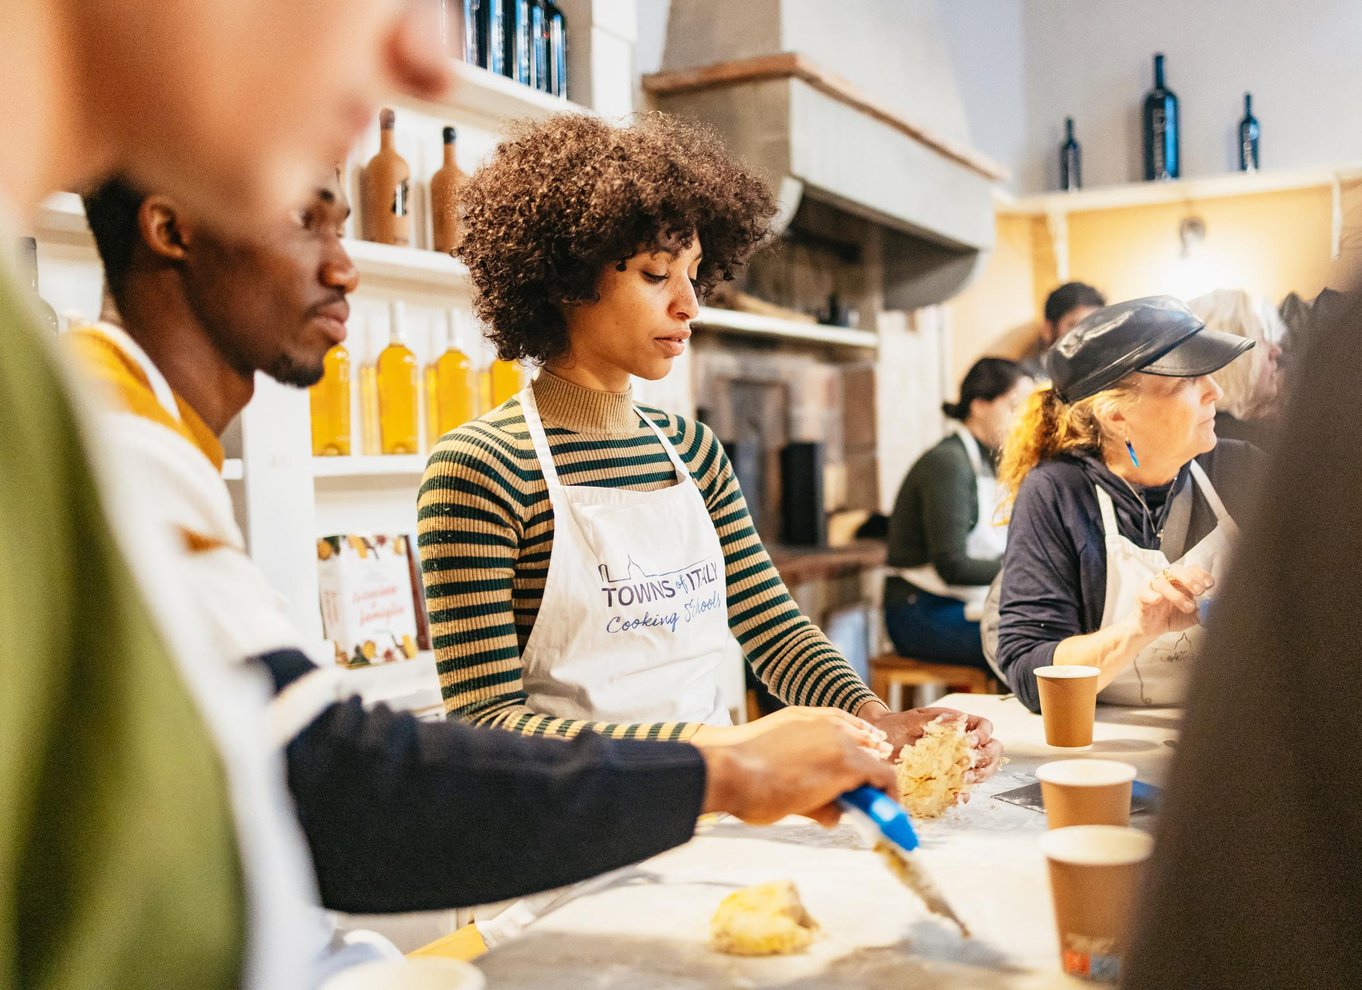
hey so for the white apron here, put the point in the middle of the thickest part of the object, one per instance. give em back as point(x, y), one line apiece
point(1159, 673)
point(633, 625)
point(986, 541)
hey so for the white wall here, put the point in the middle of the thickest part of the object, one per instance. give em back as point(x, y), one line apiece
point(1092, 59)
point(984, 38)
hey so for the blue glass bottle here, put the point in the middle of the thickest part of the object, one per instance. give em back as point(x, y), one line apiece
point(474, 52)
point(1161, 144)
point(539, 46)
point(1070, 159)
point(1248, 137)
point(558, 84)
point(516, 61)
point(485, 24)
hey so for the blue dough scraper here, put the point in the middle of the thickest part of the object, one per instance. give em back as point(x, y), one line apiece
point(885, 823)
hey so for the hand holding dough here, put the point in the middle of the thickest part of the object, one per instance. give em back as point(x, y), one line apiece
point(931, 772)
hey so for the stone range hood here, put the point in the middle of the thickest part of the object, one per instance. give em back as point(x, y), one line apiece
point(853, 106)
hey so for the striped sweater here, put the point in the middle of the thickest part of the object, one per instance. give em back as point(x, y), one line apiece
point(486, 534)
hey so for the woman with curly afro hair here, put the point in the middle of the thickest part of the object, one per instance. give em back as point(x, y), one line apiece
point(588, 561)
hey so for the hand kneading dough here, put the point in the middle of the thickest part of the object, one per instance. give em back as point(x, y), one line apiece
point(765, 920)
point(931, 772)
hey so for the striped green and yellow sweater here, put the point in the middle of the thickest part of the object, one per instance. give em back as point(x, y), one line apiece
point(486, 534)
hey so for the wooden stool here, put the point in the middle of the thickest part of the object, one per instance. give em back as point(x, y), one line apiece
point(890, 672)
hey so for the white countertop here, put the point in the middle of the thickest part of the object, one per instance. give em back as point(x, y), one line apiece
point(647, 926)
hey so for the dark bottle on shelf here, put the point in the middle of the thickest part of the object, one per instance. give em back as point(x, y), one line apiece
point(474, 45)
point(1161, 144)
point(1070, 159)
point(1248, 137)
point(558, 85)
point(517, 44)
point(485, 24)
point(539, 45)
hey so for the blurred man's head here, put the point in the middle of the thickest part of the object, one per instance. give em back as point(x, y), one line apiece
point(271, 301)
point(1066, 306)
point(233, 107)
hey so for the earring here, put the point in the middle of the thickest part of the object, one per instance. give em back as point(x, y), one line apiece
point(1130, 449)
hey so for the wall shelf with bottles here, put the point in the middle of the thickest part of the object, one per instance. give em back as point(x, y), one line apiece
point(731, 321)
point(1175, 190)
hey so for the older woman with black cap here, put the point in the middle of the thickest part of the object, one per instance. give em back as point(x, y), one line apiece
point(1124, 503)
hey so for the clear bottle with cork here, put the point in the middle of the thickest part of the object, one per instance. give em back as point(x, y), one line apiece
point(452, 384)
point(445, 186)
point(385, 189)
point(28, 266)
point(399, 389)
point(330, 402)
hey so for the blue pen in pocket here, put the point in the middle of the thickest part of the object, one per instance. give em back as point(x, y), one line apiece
point(884, 822)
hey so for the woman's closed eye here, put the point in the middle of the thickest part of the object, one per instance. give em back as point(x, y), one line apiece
point(656, 278)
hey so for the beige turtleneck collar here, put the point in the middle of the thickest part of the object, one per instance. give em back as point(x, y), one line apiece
point(584, 410)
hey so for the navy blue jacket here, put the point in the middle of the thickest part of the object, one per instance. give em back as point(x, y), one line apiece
point(1055, 568)
point(403, 815)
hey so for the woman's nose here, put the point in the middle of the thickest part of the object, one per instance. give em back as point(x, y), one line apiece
point(685, 303)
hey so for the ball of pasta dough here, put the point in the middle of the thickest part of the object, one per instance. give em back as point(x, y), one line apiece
point(766, 920)
point(931, 772)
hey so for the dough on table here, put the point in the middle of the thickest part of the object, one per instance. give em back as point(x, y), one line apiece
point(765, 920)
point(931, 772)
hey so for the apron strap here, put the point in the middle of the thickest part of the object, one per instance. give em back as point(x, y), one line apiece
point(971, 443)
point(530, 408)
point(1109, 527)
point(535, 424)
point(1212, 497)
point(682, 472)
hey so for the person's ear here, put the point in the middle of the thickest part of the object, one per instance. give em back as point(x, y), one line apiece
point(162, 229)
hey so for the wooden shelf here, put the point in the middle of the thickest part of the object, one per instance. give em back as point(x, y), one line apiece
point(1175, 191)
point(768, 326)
point(371, 466)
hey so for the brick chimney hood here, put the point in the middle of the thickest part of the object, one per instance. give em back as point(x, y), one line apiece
point(853, 105)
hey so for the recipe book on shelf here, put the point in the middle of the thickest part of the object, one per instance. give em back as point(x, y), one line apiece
point(373, 609)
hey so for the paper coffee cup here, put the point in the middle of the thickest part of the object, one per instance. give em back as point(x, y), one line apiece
point(421, 973)
point(1086, 792)
point(1094, 877)
point(1068, 703)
